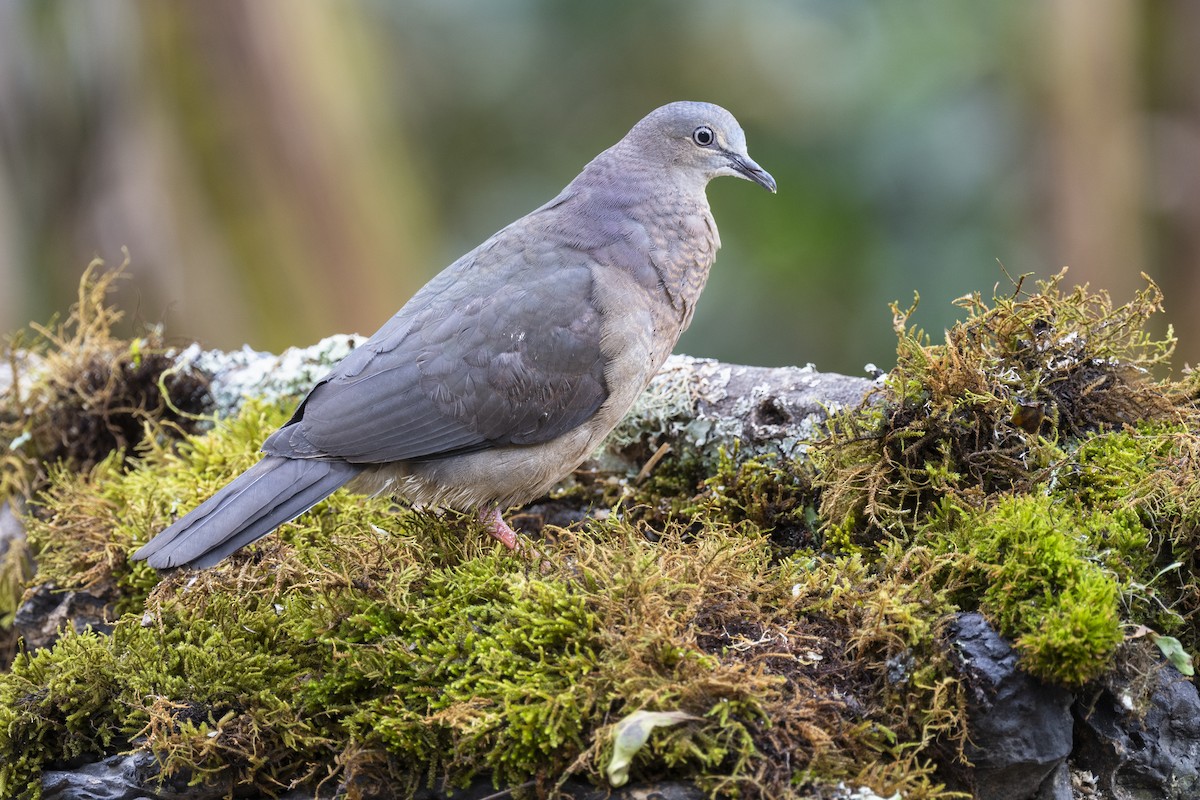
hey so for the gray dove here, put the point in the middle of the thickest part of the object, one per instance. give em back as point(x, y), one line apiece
point(505, 371)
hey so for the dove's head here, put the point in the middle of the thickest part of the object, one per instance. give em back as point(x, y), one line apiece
point(697, 140)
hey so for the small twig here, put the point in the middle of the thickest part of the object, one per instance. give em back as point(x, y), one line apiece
point(649, 466)
point(1017, 284)
point(500, 795)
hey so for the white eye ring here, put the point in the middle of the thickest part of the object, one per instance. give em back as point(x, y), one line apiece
point(703, 136)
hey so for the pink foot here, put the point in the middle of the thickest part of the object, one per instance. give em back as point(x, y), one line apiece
point(497, 528)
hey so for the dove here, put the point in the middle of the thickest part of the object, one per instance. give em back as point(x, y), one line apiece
point(507, 369)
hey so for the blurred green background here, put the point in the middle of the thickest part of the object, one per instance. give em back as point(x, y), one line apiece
point(284, 170)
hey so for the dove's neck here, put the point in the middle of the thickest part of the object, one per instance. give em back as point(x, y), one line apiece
point(655, 222)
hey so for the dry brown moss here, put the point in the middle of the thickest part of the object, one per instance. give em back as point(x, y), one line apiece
point(400, 648)
point(985, 412)
point(79, 392)
point(1042, 465)
point(390, 650)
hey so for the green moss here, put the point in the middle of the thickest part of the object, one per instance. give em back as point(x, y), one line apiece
point(986, 412)
point(1030, 468)
point(1142, 481)
point(85, 524)
point(55, 706)
point(1039, 465)
point(212, 688)
point(490, 671)
point(769, 492)
point(667, 493)
point(1026, 562)
point(409, 649)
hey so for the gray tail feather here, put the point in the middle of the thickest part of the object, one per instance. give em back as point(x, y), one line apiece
point(252, 505)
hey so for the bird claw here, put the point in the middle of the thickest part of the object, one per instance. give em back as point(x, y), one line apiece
point(498, 529)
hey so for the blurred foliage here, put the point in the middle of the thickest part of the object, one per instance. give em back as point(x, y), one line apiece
point(279, 173)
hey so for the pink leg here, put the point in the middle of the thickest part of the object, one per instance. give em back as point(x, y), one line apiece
point(497, 528)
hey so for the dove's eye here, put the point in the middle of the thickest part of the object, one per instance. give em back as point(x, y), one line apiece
point(703, 136)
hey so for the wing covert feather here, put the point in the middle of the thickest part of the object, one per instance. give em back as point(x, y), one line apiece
point(485, 358)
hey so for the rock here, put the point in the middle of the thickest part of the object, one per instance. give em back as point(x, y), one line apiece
point(1155, 756)
point(44, 610)
point(1058, 785)
point(128, 777)
point(1020, 728)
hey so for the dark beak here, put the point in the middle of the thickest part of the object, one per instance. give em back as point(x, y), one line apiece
point(745, 166)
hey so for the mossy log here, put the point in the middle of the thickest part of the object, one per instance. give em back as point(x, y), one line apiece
point(786, 584)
